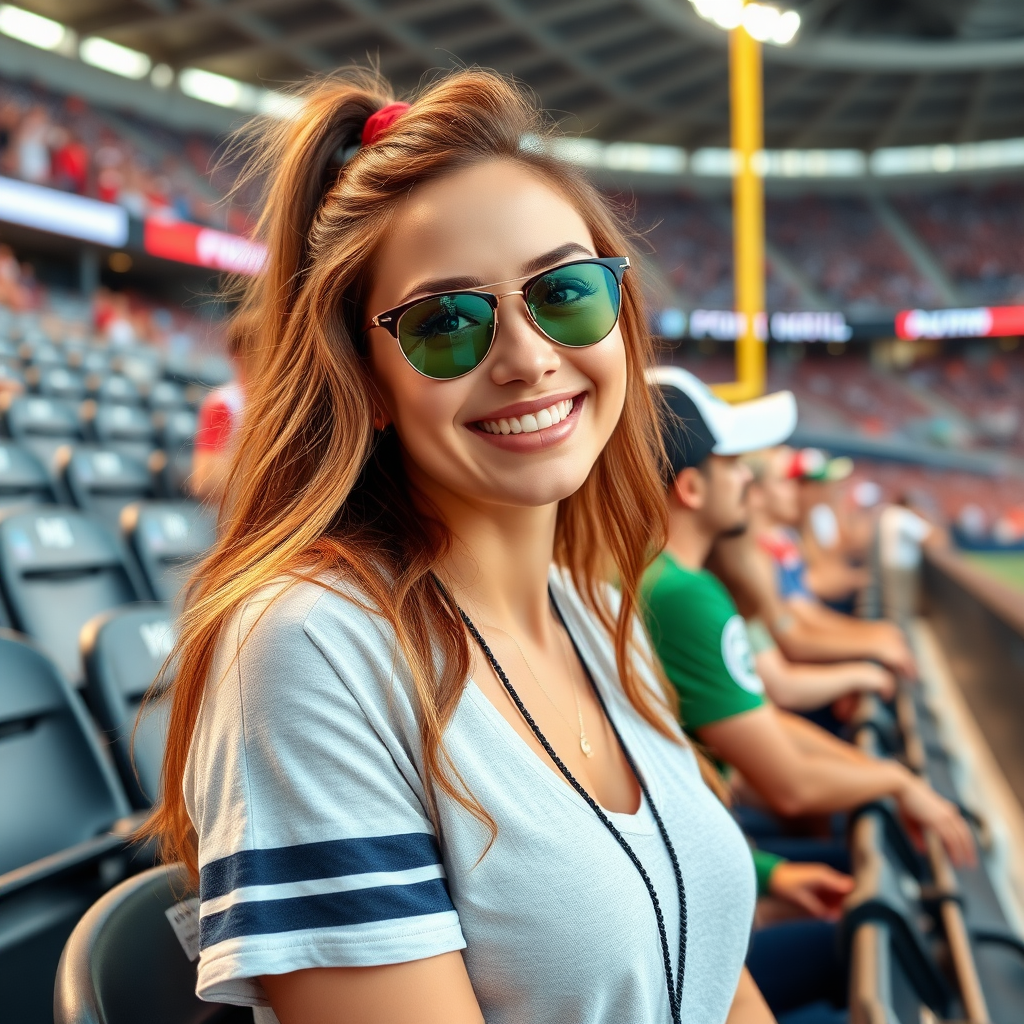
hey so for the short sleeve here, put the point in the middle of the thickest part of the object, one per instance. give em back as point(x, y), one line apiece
point(215, 422)
point(703, 646)
point(314, 846)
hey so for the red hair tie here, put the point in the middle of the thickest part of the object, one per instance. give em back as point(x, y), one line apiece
point(381, 120)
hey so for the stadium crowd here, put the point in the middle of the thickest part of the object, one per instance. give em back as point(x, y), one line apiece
point(65, 143)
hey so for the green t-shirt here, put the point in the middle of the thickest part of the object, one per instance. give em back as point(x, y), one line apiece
point(702, 642)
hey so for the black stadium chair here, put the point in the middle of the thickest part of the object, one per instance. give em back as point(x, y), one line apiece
point(124, 428)
point(58, 569)
point(59, 801)
point(123, 651)
point(125, 964)
point(43, 425)
point(102, 481)
point(168, 538)
point(23, 479)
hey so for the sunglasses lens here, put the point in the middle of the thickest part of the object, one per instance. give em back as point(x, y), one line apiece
point(576, 305)
point(446, 336)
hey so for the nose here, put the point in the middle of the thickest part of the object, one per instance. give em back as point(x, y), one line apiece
point(521, 352)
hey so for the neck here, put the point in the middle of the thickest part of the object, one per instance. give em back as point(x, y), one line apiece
point(498, 564)
point(689, 542)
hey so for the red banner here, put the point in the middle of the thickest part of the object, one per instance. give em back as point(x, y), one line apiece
point(202, 247)
point(975, 322)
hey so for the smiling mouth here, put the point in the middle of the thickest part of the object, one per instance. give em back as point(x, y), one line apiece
point(529, 423)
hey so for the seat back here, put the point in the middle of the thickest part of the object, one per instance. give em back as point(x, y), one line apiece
point(123, 651)
point(58, 789)
point(124, 962)
point(177, 433)
point(124, 428)
point(58, 382)
point(59, 568)
point(168, 538)
point(23, 479)
point(114, 389)
point(102, 481)
point(166, 394)
point(43, 425)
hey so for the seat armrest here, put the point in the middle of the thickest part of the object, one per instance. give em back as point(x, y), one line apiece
point(63, 861)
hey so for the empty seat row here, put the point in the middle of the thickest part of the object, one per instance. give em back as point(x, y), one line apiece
point(49, 427)
point(60, 567)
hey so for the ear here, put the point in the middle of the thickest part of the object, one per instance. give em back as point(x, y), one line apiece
point(690, 489)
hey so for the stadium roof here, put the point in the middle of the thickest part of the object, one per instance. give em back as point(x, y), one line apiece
point(861, 74)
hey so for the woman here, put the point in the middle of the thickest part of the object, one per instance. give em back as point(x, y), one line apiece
point(422, 774)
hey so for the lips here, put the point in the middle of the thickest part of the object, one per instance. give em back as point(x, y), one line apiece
point(529, 423)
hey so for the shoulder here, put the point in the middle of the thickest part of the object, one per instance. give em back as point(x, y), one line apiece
point(296, 644)
point(692, 599)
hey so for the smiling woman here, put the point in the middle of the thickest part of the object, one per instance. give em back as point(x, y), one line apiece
point(418, 760)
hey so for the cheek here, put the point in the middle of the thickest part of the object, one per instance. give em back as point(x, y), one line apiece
point(605, 366)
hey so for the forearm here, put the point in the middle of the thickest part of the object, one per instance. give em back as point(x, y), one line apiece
point(803, 687)
point(824, 783)
point(810, 739)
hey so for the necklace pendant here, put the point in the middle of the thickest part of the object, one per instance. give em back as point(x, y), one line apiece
point(585, 745)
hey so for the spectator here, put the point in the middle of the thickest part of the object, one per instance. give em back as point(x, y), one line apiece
point(792, 765)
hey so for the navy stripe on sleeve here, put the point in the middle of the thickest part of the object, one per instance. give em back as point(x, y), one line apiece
point(332, 859)
point(327, 910)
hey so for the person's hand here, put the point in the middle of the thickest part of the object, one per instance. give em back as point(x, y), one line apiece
point(892, 651)
point(10, 386)
point(816, 888)
point(921, 807)
point(876, 679)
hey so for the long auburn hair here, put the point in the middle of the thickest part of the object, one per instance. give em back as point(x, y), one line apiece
point(314, 492)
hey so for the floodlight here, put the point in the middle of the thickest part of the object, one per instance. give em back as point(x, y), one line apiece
point(31, 28)
point(112, 57)
point(217, 89)
point(763, 22)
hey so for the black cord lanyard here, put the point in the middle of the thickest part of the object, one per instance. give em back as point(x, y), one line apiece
point(675, 986)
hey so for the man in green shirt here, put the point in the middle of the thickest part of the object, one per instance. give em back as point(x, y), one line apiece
point(794, 766)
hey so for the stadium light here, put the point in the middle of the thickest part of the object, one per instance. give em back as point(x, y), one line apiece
point(765, 23)
point(217, 89)
point(112, 57)
point(31, 28)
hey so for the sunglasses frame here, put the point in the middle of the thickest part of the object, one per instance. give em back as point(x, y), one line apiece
point(390, 320)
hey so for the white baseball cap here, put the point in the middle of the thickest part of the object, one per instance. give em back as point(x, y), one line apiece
point(705, 424)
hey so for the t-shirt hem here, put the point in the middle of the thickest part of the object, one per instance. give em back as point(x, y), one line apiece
point(231, 976)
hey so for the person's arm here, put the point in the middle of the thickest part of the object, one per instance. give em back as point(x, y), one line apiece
point(803, 687)
point(794, 780)
point(432, 991)
point(210, 469)
point(808, 631)
point(816, 889)
point(748, 1005)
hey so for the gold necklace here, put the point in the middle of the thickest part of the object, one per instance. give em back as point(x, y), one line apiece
point(585, 746)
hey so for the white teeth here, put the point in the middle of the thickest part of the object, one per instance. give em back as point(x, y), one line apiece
point(530, 422)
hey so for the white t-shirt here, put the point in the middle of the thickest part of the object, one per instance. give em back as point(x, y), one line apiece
point(304, 785)
point(900, 535)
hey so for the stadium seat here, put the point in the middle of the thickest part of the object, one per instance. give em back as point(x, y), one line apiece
point(43, 425)
point(166, 394)
point(124, 963)
point(127, 429)
point(168, 538)
point(39, 352)
point(59, 568)
point(177, 432)
point(123, 650)
point(23, 480)
point(59, 801)
point(102, 481)
point(56, 382)
point(114, 388)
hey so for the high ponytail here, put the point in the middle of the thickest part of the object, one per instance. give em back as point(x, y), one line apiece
point(313, 492)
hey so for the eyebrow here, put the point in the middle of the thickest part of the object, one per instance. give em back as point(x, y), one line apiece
point(530, 267)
